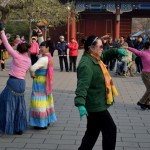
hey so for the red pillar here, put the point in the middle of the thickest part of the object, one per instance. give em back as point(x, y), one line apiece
point(117, 25)
point(73, 25)
point(68, 27)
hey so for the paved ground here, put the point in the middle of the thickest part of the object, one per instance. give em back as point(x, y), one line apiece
point(133, 124)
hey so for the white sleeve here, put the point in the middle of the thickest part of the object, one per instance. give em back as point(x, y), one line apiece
point(40, 40)
point(41, 63)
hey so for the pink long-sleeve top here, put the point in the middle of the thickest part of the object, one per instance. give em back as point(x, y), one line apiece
point(20, 63)
point(34, 48)
point(145, 57)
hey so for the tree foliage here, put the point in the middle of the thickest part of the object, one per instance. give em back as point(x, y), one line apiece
point(51, 10)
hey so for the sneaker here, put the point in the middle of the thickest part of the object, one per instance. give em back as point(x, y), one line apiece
point(143, 106)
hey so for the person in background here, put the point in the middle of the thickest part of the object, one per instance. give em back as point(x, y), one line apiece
point(105, 47)
point(51, 45)
point(34, 50)
point(105, 44)
point(95, 94)
point(73, 53)
point(131, 64)
point(144, 102)
point(130, 40)
point(16, 42)
point(22, 38)
point(122, 62)
point(62, 47)
point(112, 61)
point(2, 61)
point(42, 112)
point(139, 45)
point(110, 42)
point(13, 119)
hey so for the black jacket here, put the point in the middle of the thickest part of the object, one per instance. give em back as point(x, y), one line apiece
point(62, 48)
point(51, 46)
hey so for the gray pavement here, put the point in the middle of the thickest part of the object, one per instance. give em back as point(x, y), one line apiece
point(133, 124)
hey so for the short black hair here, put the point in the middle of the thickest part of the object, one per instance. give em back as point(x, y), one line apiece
point(147, 45)
point(45, 43)
point(140, 36)
point(91, 40)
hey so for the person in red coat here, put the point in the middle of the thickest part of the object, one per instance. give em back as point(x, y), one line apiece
point(73, 53)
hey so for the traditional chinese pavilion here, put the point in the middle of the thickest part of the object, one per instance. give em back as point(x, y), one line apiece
point(101, 17)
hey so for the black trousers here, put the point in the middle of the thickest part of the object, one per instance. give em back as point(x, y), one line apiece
point(72, 60)
point(139, 65)
point(96, 122)
point(34, 58)
point(3, 64)
point(112, 64)
point(61, 59)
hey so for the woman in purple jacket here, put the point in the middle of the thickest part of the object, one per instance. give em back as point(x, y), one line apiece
point(144, 102)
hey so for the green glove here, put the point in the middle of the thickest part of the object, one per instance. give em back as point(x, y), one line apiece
point(122, 52)
point(82, 111)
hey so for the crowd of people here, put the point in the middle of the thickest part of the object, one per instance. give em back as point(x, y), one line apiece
point(35, 56)
point(95, 90)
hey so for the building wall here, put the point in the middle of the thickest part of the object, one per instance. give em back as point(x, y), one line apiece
point(102, 24)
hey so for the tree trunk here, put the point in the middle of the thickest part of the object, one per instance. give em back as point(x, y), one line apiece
point(30, 29)
point(4, 14)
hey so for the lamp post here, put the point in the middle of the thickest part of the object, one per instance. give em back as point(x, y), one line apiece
point(68, 24)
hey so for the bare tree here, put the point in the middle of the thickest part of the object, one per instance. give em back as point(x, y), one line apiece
point(141, 24)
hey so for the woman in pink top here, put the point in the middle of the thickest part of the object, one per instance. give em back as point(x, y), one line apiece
point(34, 50)
point(144, 102)
point(13, 118)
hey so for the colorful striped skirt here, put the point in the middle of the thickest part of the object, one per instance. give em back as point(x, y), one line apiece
point(42, 112)
point(12, 107)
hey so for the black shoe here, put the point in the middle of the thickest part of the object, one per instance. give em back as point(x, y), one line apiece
point(143, 106)
point(19, 133)
point(147, 106)
point(40, 128)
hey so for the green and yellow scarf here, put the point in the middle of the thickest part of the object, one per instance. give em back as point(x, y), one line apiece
point(111, 90)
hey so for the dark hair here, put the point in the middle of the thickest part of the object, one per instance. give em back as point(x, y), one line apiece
point(33, 38)
point(91, 40)
point(122, 37)
point(49, 36)
point(45, 43)
point(23, 47)
point(147, 45)
point(140, 36)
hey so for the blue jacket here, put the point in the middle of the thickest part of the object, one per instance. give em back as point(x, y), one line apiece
point(62, 48)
